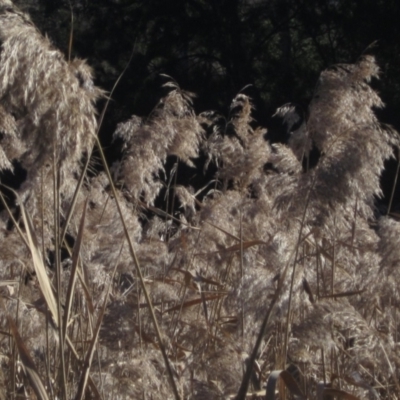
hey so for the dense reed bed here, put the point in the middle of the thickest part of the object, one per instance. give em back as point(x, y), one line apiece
point(275, 271)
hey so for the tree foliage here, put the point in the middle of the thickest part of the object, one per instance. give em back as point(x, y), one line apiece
point(219, 47)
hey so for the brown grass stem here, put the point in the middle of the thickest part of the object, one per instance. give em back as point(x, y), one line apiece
point(139, 274)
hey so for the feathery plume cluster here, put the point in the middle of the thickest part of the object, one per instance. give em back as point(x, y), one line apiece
point(171, 129)
point(47, 103)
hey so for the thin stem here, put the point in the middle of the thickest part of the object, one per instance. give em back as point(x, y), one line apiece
point(57, 259)
point(139, 273)
point(250, 364)
point(394, 183)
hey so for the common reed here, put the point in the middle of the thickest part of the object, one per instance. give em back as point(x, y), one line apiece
point(142, 302)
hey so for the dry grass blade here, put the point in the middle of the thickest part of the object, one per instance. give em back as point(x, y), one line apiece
point(224, 231)
point(245, 245)
point(139, 273)
point(191, 280)
point(85, 290)
point(74, 268)
point(93, 386)
point(343, 294)
point(40, 269)
point(10, 214)
point(27, 362)
point(242, 392)
point(7, 283)
point(71, 33)
point(252, 395)
point(394, 185)
point(162, 213)
point(89, 355)
point(191, 303)
point(209, 281)
point(240, 246)
point(289, 381)
point(82, 281)
point(188, 277)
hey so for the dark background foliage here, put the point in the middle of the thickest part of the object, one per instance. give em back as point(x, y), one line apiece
point(215, 48)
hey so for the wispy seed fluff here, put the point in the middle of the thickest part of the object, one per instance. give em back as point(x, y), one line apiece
point(171, 129)
point(47, 102)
